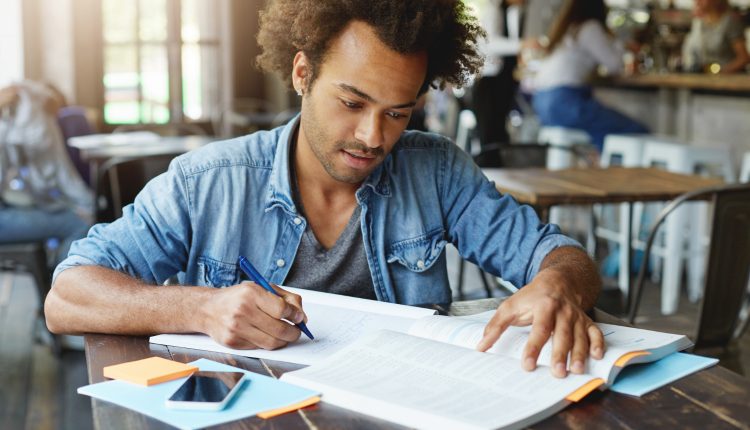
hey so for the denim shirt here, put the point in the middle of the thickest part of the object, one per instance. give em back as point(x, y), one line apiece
point(233, 198)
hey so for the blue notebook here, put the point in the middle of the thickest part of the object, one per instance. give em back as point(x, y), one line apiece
point(263, 393)
point(640, 379)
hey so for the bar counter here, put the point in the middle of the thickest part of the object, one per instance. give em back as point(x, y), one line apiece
point(692, 81)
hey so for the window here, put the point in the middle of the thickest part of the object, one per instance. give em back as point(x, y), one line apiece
point(161, 60)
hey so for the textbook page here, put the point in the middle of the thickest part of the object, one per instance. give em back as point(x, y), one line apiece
point(619, 340)
point(334, 320)
point(422, 383)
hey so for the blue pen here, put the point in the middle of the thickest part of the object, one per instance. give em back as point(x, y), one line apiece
point(256, 277)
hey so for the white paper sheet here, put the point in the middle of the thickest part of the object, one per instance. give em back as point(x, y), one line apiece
point(334, 320)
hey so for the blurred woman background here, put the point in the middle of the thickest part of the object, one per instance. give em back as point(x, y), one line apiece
point(716, 42)
point(579, 42)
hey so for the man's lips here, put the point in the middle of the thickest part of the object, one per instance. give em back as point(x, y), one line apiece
point(358, 160)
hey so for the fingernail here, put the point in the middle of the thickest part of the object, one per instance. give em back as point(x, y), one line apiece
point(577, 367)
point(597, 352)
point(529, 364)
point(480, 345)
point(560, 369)
point(298, 317)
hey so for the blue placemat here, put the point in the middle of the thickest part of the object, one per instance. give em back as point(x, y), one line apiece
point(640, 379)
point(261, 394)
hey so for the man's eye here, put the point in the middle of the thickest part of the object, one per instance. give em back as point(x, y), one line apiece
point(396, 115)
point(350, 105)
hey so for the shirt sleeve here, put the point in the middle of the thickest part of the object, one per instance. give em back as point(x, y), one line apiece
point(735, 30)
point(150, 241)
point(601, 45)
point(493, 230)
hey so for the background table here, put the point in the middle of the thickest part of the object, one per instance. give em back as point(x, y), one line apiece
point(543, 188)
point(712, 398)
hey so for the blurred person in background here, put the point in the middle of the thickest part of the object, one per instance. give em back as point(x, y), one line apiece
point(716, 42)
point(579, 43)
point(493, 92)
point(42, 196)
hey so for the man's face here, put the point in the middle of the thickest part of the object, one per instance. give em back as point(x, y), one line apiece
point(359, 104)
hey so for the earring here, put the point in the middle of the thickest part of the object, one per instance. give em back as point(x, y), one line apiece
point(299, 92)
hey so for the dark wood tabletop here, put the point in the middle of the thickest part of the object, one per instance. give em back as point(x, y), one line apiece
point(544, 188)
point(714, 398)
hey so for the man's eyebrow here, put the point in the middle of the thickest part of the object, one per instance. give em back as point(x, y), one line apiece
point(361, 94)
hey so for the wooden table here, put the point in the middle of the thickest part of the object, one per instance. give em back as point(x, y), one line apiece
point(97, 149)
point(712, 398)
point(543, 189)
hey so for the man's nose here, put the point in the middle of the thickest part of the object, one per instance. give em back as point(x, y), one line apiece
point(370, 130)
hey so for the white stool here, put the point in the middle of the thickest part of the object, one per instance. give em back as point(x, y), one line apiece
point(467, 123)
point(745, 169)
point(622, 150)
point(558, 157)
point(561, 156)
point(683, 158)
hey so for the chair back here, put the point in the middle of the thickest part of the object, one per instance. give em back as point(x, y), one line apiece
point(121, 179)
point(723, 312)
point(728, 269)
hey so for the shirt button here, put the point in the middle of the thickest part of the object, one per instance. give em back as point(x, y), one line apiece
point(297, 221)
point(420, 264)
point(280, 262)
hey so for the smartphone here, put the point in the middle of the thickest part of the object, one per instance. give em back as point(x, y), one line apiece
point(210, 391)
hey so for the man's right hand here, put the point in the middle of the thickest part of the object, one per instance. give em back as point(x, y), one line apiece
point(246, 316)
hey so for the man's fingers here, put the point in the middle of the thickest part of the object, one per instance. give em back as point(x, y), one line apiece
point(596, 341)
point(562, 343)
point(580, 351)
point(294, 300)
point(277, 307)
point(494, 329)
point(541, 329)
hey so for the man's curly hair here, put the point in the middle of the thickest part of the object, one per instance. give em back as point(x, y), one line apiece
point(442, 28)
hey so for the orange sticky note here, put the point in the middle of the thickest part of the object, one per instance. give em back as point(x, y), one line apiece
point(149, 371)
point(293, 407)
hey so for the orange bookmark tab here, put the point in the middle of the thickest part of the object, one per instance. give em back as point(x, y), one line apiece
point(278, 411)
point(149, 371)
point(625, 359)
point(585, 390)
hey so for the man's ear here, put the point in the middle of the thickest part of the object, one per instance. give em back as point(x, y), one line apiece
point(301, 72)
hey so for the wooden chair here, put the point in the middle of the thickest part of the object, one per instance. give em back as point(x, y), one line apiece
point(723, 311)
point(121, 179)
point(31, 257)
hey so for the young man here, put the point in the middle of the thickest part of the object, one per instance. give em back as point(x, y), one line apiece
point(341, 199)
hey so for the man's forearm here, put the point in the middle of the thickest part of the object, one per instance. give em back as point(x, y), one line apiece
point(578, 271)
point(95, 299)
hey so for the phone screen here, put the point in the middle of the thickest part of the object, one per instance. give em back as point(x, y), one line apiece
point(211, 387)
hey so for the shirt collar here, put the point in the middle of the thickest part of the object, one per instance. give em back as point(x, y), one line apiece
point(280, 190)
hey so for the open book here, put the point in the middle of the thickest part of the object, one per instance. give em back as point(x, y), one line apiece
point(432, 377)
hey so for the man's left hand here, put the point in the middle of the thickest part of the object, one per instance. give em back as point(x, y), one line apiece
point(550, 306)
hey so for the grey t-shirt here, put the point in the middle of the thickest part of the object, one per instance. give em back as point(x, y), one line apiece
point(343, 269)
point(711, 43)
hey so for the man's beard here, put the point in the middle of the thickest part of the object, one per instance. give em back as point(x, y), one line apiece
point(315, 137)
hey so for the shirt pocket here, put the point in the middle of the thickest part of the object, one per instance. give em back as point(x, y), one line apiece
point(420, 253)
point(217, 273)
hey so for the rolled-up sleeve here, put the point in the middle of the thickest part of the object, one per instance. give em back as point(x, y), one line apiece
point(150, 241)
point(493, 230)
point(552, 240)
